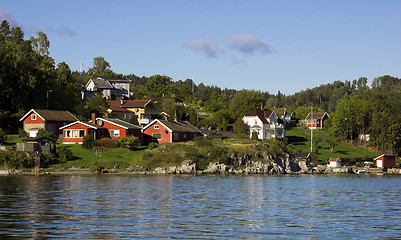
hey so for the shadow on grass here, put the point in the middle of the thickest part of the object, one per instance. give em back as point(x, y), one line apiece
point(296, 139)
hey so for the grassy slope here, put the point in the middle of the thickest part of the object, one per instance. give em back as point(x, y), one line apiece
point(341, 150)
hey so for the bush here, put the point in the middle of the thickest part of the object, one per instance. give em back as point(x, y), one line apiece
point(64, 154)
point(16, 160)
point(254, 136)
point(3, 136)
point(201, 141)
point(130, 142)
point(152, 145)
point(108, 143)
point(22, 133)
point(88, 142)
point(47, 159)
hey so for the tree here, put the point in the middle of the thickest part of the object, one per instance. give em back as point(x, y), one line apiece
point(244, 101)
point(100, 66)
point(240, 127)
point(254, 136)
point(96, 105)
point(40, 44)
point(130, 142)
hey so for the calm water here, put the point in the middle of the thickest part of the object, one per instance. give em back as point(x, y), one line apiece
point(200, 207)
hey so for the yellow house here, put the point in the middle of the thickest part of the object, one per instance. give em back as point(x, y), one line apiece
point(140, 112)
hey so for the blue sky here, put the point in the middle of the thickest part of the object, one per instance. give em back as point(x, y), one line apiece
point(263, 45)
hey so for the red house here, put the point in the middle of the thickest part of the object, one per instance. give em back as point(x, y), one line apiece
point(104, 128)
point(162, 131)
point(316, 120)
point(75, 132)
point(51, 120)
point(386, 161)
point(118, 128)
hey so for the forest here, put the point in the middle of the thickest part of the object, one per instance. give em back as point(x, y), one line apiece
point(29, 78)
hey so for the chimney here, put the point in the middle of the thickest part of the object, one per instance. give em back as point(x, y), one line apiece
point(175, 115)
point(94, 118)
point(122, 102)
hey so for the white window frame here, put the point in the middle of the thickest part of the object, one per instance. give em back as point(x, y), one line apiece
point(116, 133)
point(156, 127)
point(74, 133)
point(156, 138)
point(33, 117)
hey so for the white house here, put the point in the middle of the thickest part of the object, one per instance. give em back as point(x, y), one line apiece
point(334, 162)
point(265, 123)
point(106, 87)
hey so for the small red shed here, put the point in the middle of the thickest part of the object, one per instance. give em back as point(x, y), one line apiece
point(162, 131)
point(75, 132)
point(118, 128)
point(386, 161)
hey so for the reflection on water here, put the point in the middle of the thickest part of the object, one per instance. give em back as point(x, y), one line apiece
point(237, 207)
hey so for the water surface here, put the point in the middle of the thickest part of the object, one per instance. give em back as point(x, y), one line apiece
point(200, 207)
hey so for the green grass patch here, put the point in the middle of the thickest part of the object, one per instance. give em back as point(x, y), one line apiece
point(12, 140)
point(299, 141)
point(108, 158)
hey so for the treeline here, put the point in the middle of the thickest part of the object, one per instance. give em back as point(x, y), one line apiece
point(29, 79)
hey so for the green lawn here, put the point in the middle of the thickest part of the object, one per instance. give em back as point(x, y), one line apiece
point(108, 158)
point(12, 140)
point(299, 139)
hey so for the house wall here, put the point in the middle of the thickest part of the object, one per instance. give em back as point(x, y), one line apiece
point(252, 121)
point(147, 134)
point(386, 162)
point(77, 139)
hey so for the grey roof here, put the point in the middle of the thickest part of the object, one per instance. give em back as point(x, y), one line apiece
point(101, 83)
point(176, 126)
point(52, 115)
point(121, 123)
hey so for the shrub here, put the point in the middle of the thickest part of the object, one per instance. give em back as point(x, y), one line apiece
point(201, 141)
point(108, 143)
point(152, 145)
point(3, 136)
point(64, 154)
point(46, 159)
point(254, 136)
point(88, 142)
point(22, 133)
point(16, 160)
point(130, 142)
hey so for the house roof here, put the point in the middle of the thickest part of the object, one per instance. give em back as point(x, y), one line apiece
point(175, 126)
point(120, 80)
point(122, 105)
point(262, 114)
point(317, 115)
point(34, 139)
point(52, 115)
point(386, 155)
point(334, 159)
point(280, 111)
point(119, 123)
point(83, 123)
point(101, 83)
point(256, 126)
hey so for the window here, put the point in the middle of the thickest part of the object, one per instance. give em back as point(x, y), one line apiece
point(185, 135)
point(114, 133)
point(33, 117)
point(157, 127)
point(176, 136)
point(256, 121)
point(156, 136)
point(75, 133)
point(101, 133)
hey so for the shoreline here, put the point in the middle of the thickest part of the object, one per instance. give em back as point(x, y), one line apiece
point(160, 171)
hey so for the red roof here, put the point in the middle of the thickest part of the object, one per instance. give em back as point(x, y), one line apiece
point(261, 113)
point(317, 115)
point(122, 105)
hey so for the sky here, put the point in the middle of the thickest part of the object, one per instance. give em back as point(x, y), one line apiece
point(271, 46)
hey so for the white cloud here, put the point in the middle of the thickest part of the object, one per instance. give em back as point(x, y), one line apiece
point(209, 48)
point(247, 43)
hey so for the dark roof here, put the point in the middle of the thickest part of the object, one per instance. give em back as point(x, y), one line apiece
point(179, 126)
point(302, 155)
point(101, 83)
point(135, 103)
point(53, 115)
point(261, 113)
point(116, 106)
point(124, 80)
point(317, 115)
point(34, 139)
point(121, 123)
